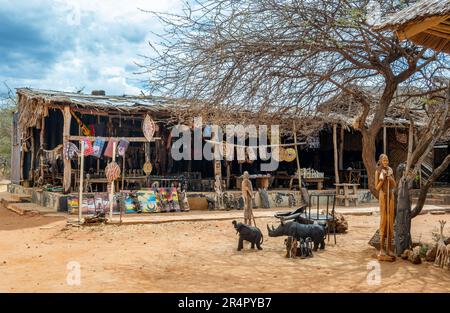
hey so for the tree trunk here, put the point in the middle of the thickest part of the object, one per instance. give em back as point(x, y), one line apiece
point(425, 188)
point(368, 156)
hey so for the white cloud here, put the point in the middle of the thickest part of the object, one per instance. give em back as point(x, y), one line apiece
point(106, 39)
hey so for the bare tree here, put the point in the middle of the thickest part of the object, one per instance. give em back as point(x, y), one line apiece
point(287, 57)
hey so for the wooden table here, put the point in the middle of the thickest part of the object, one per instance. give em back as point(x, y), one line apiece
point(262, 181)
point(347, 192)
point(315, 180)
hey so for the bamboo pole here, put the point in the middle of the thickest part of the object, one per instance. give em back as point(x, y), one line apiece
point(297, 160)
point(80, 195)
point(336, 171)
point(111, 191)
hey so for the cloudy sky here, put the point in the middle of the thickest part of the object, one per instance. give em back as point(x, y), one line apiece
point(73, 44)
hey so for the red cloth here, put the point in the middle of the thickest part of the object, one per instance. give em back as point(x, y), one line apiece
point(109, 147)
point(88, 149)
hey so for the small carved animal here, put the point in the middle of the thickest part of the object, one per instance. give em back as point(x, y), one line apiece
point(291, 247)
point(441, 254)
point(248, 233)
point(300, 231)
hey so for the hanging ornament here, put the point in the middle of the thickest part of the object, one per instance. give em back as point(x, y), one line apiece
point(112, 171)
point(148, 128)
point(290, 155)
point(147, 168)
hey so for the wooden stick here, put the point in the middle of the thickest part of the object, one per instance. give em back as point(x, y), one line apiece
point(298, 161)
point(111, 192)
point(384, 140)
point(80, 196)
point(336, 171)
point(123, 172)
point(341, 149)
point(42, 144)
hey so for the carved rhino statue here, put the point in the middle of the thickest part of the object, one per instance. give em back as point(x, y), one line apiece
point(300, 231)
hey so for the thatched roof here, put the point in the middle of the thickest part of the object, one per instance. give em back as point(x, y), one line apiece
point(426, 23)
point(116, 103)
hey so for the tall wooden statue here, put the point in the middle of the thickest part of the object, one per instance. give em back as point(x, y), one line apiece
point(247, 194)
point(385, 183)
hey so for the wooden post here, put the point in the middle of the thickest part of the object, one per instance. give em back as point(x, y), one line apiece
point(384, 140)
point(111, 192)
point(298, 161)
point(42, 145)
point(67, 165)
point(228, 174)
point(80, 194)
point(336, 171)
point(123, 172)
point(341, 149)
point(31, 173)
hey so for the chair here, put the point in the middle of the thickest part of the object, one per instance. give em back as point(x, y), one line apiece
point(329, 217)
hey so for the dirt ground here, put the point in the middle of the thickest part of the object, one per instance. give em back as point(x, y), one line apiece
point(197, 257)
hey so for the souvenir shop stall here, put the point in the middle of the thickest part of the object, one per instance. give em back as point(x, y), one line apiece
point(101, 153)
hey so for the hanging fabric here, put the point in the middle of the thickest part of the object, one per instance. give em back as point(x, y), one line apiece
point(88, 149)
point(109, 148)
point(70, 151)
point(98, 147)
point(122, 147)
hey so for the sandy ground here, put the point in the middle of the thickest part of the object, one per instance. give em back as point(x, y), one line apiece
point(197, 257)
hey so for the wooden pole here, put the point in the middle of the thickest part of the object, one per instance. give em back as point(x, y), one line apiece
point(31, 173)
point(297, 159)
point(123, 172)
point(42, 145)
point(384, 140)
point(341, 149)
point(336, 170)
point(111, 191)
point(80, 195)
point(228, 174)
point(66, 134)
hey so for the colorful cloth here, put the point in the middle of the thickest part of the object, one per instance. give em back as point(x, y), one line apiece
point(88, 149)
point(122, 147)
point(98, 147)
point(109, 148)
point(70, 151)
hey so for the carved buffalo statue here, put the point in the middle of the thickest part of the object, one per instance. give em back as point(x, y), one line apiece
point(250, 234)
point(300, 231)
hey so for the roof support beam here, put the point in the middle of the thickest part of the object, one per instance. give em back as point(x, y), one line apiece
point(416, 28)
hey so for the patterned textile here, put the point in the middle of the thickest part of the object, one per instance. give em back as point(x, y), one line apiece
point(70, 151)
point(122, 147)
point(98, 147)
point(88, 149)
